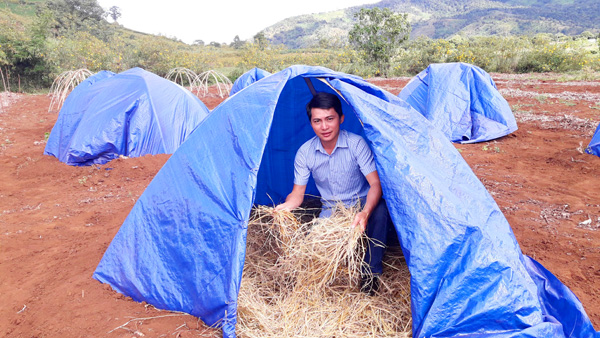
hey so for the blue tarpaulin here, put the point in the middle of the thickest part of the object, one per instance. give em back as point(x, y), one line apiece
point(133, 113)
point(247, 79)
point(182, 247)
point(462, 101)
point(594, 146)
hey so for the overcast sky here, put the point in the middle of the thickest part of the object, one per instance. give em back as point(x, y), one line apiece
point(215, 20)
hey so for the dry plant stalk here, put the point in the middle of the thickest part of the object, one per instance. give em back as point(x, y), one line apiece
point(300, 279)
point(64, 84)
point(181, 76)
point(4, 82)
point(221, 81)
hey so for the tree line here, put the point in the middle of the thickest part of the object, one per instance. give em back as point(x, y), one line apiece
point(74, 34)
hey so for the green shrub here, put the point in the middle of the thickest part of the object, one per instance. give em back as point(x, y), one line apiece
point(83, 50)
point(512, 54)
point(261, 56)
point(23, 51)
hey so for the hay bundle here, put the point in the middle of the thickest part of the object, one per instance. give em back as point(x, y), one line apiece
point(63, 84)
point(301, 279)
point(212, 77)
point(184, 76)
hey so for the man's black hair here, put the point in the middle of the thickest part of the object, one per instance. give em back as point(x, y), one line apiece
point(324, 101)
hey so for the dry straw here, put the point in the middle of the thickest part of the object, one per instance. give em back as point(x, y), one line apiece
point(183, 76)
point(5, 82)
point(64, 84)
point(200, 84)
point(212, 77)
point(301, 279)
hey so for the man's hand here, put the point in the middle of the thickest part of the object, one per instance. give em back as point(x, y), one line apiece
point(361, 220)
point(287, 206)
point(373, 197)
point(294, 199)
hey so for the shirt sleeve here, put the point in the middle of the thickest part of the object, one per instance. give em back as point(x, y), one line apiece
point(364, 157)
point(301, 171)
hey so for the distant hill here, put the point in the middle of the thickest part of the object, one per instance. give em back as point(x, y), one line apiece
point(21, 12)
point(444, 18)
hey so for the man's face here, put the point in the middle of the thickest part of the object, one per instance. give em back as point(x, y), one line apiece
point(326, 124)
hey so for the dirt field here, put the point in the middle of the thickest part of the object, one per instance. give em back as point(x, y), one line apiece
point(56, 221)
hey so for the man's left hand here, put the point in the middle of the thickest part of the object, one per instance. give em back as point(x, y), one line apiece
point(361, 220)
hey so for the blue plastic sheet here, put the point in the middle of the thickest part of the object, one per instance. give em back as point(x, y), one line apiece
point(594, 146)
point(462, 101)
point(182, 247)
point(247, 79)
point(133, 113)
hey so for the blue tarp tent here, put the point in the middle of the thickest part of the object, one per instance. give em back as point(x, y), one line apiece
point(594, 146)
point(247, 79)
point(133, 113)
point(462, 101)
point(182, 247)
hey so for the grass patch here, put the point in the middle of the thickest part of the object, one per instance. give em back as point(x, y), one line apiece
point(516, 108)
point(542, 98)
point(568, 103)
point(585, 74)
point(487, 147)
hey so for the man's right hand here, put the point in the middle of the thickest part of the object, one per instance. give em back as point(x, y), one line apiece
point(285, 206)
point(294, 199)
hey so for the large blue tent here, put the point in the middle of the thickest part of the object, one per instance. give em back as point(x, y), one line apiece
point(594, 146)
point(247, 79)
point(133, 113)
point(462, 101)
point(182, 247)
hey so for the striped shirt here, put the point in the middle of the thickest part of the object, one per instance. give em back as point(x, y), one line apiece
point(340, 177)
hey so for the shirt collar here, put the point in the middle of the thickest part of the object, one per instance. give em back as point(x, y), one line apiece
point(342, 142)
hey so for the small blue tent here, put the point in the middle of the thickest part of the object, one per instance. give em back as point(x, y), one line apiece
point(462, 101)
point(133, 113)
point(594, 146)
point(247, 79)
point(182, 247)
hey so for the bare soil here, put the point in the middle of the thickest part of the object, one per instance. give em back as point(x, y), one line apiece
point(56, 221)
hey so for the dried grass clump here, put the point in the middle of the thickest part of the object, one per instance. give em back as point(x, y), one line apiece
point(200, 84)
point(7, 98)
point(565, 121)
point(301, 279)
point(64, 84)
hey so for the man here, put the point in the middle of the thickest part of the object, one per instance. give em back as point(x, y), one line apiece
point(343, 168)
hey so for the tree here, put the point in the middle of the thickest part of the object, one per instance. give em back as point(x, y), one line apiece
point(198, 42)
point(378, 34)
point(79, 9)
point(261, 40)
point(237, 43)
point(114, 12)
point(24, 49)
point(323, 43)
point(79, 15)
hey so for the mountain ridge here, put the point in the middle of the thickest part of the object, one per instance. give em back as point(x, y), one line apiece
point(445, 18)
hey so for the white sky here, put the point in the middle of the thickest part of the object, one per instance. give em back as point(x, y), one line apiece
point(215, 20)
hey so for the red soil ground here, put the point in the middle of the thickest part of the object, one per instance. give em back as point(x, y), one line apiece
point(56, 221)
